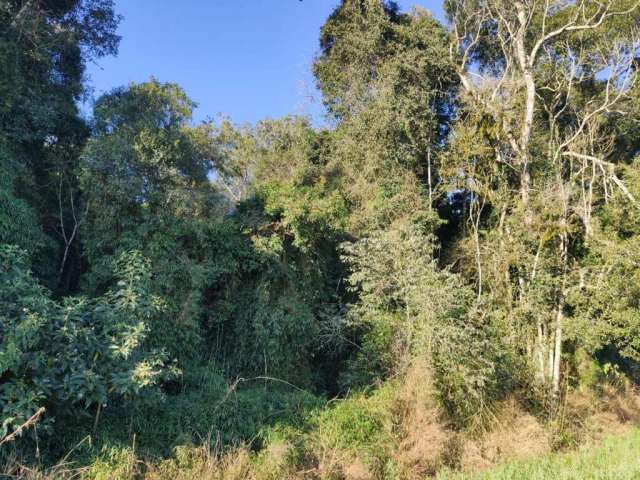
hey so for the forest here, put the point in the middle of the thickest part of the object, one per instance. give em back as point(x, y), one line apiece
point(441, 281)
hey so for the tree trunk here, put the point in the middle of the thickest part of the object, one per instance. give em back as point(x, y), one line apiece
point(540, 352)
point(529, 106)
point(557, 354)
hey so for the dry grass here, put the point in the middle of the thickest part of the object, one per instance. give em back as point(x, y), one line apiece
point(409, 439)
point(425, 442)
point(615, 458)
point(515, 434)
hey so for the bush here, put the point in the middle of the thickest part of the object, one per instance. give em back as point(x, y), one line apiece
point(77, 354)
point(472, 371)
point(358, 427)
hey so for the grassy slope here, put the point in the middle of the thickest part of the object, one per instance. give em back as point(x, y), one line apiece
point(617, 458)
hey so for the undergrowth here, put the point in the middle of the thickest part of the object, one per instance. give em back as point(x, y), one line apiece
point(264, 429)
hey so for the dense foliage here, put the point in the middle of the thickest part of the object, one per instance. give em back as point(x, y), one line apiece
point(471, 212)
point(79, 352)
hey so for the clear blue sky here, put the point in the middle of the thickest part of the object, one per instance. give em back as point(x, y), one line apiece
point(248, 59)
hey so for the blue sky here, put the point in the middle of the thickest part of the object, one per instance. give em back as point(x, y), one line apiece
point(247, 59)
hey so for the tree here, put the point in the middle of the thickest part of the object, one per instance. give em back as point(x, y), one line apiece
point(44, 47)
point(144, 177)
point(542, 80)
point(144, 166)
point(387, 78)
point(404, 299)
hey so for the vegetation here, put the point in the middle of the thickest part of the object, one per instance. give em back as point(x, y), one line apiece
point(614, 459)
point(444, 279)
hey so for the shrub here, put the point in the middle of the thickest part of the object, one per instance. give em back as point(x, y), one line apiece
point(77, 354)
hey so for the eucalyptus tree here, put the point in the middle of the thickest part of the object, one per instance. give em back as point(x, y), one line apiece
point(542, 83)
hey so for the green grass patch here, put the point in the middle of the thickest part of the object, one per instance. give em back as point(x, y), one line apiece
point(617, 458)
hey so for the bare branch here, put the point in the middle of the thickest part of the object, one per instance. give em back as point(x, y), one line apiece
point(18, 431)
point(593, 22)
point(611, 173)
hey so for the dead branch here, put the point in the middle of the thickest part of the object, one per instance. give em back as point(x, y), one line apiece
point(18, 431)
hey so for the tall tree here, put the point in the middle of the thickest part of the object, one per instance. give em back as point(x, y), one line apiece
point(144, 177)
point(44, 47)
point(387, 79)
point(542, 83)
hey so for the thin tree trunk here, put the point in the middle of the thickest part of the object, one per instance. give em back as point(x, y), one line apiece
point(550, 361)
point(540, 352)
point(429, 177)
point(557, 355)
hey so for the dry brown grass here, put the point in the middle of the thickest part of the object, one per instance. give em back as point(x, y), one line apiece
point(612, 410)
point(425, 442)
point(515, 435)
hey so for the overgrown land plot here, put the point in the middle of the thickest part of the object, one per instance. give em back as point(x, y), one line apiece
point(443, 281)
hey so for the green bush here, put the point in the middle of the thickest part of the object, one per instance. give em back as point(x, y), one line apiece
point(202, 408)
point(473, 370)
point(76, 354)
point(360, 425)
